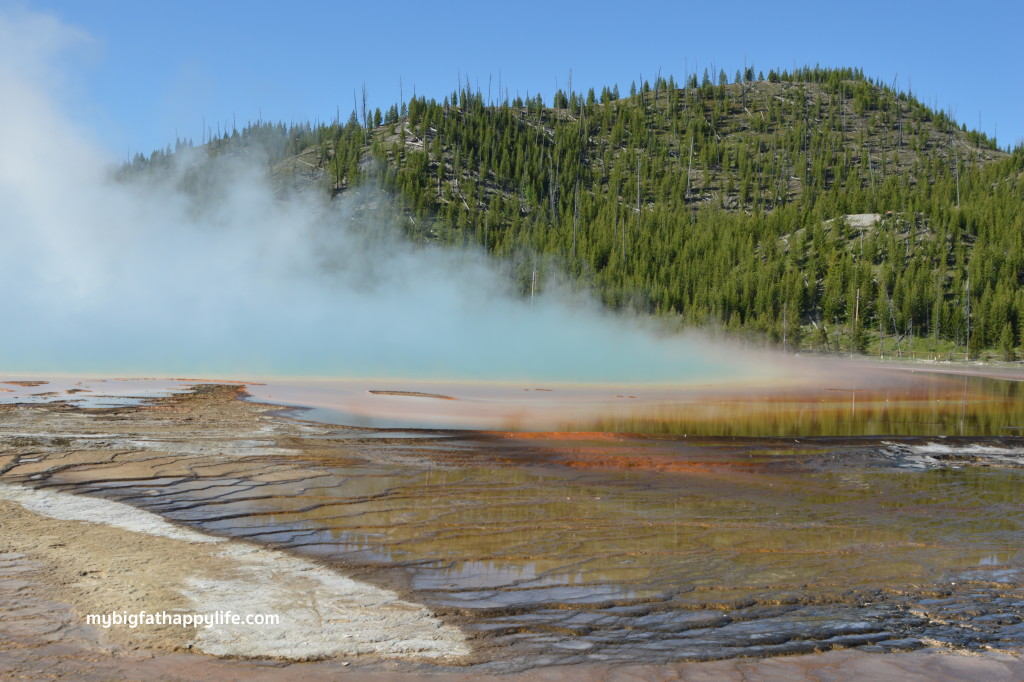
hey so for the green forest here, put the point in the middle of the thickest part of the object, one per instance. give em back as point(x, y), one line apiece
point(813, 209)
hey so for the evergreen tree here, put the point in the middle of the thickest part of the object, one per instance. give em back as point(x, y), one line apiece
point(720, 204)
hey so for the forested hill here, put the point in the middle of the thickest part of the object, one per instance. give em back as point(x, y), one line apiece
point(815, 208)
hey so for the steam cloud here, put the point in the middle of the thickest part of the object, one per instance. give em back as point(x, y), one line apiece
point(132, 278)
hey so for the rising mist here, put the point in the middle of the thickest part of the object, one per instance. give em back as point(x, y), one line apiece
point(138, 277)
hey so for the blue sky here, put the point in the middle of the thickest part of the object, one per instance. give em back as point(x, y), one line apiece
point(157, 70)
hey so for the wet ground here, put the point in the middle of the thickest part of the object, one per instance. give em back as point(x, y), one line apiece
point(602, 547)
point(771, 554)
point(836, 400)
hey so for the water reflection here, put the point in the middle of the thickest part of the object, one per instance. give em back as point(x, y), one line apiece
point(555, 558)
point(857, 404)
point(875, 515)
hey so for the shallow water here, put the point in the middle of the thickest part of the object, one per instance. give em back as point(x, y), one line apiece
point(859, 401)
point(94, 392)
point(880, 517)
point(739, 550)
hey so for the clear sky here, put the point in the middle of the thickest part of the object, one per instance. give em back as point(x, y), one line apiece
point(154, 70)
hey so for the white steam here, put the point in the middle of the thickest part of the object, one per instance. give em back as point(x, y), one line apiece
point(131, 278)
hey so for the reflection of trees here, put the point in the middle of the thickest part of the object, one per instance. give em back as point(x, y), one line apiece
point(945, 405)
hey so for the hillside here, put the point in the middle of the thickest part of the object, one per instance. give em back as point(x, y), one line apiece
point(813, 209)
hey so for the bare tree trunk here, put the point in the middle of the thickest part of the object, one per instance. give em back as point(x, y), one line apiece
point(624, 241)
point(881, 343)
point(575, 218)
point(689, 173)
point(533, 280)
point(365, 122)
point(856, 323)
point(967, 348)
point(615, 228)
point(957, 152)
point(784, 326)
point(638, 189)
point(895, 330)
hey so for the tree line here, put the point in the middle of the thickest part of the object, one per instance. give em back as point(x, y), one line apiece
point(731, 203)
